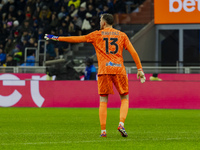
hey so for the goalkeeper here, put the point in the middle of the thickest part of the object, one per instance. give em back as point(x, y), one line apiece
point(109, 44)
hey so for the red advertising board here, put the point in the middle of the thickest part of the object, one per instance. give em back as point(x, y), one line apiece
point(174, 94)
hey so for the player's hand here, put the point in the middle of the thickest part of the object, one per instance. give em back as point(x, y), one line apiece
point(140, 74)
point(51, 37)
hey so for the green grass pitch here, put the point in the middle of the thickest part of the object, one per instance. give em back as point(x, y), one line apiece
point(78, 128)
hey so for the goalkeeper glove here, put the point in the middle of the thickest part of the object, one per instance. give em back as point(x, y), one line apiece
point(140, 74)
point(51, 37)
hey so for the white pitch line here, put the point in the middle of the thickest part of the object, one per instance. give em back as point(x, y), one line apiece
point(65, 142)
point(94, 141)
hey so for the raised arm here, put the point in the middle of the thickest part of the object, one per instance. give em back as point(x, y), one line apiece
point(69, 39)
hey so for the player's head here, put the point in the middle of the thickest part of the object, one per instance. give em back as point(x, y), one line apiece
point(106, 20)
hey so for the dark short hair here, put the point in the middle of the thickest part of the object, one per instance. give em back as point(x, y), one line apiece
point(108, 18)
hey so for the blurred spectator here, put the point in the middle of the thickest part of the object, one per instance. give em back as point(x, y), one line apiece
point(61, 16)
point(65, 4)
point(82, 11)
point(24, 44)
point(92, 2)
point(54, 21)
point(64, 27)
point(62, 47)
point(91, 10)
point(55, 6)
point(6, 5)
point(35, 29)
point(106, 9)
point(95, 23)
point(12, 12)
point(30, 60)
point(90, 70)
point(110, 5)
point(30, 6)
point(45, 13)
point(71, 29)
point(51, 54)
point(9, 45)
point(20, 16)
point(25, 26)
point(25, 35)
point(17, 58)
point(99, 11)
point(64, 11)
point(29, 18)
point(2, 56)
point(9, 26)
point(72, 11)
point(14, 56)
point(76, 3)
point(1, 11)
point(3, 34)
point(101, 3)
point(40, 34)
point(77, 24)
point(28, 9)
point(86, 26)
point(21, 4)
point(4, 18)
point(15, 27)
point(119, 6)
point(16, 37)
point(154, 77)
point(36, 13)
point(15, 50)
point(32, 42)
point(56, 44)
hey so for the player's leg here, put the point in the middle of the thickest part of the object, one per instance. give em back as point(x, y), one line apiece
point(104, 88)
point(123, 113)
point(124, 108)
point(121, 84)
point(103, 114)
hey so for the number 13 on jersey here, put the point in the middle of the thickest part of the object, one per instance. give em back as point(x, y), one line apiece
point(113, 42)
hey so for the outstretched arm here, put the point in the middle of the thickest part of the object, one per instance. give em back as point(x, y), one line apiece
point(69, 39)
point(73, 39)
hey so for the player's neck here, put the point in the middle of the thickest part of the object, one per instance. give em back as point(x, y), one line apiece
point(107, 27)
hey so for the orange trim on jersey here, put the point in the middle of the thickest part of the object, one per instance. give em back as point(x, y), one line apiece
point(73, 39)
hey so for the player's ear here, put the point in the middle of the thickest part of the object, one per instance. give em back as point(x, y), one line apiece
point(104, 23)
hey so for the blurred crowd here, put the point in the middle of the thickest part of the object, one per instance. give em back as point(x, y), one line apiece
point(24, 22)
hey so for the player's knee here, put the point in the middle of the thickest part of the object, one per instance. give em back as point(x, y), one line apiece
point(124, 96)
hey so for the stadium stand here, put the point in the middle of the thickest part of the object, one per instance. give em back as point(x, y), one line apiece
point(24, 22)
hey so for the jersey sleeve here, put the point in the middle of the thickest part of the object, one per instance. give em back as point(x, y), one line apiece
point(73, 39)
point(128, 46)
point(91, 37)
point(126, 41)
